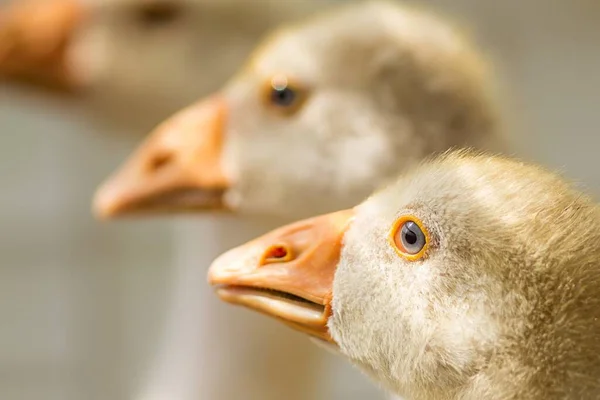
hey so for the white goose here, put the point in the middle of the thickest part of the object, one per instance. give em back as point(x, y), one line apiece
point(471, 277)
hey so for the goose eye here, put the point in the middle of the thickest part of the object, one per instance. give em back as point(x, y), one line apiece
point(410, 238)
point(158, 13)
point(283, 94)
point(283, 97)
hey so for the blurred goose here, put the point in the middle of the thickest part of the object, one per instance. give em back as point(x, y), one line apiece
point(33, 40)
point(122, 66)
point(133, 62)
point(321, 115)
point(471, 277)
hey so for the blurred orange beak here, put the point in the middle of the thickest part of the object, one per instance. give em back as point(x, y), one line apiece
point(288, 273)
point(178, 168)
point(34, 39)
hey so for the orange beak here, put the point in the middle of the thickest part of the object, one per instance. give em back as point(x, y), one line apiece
point(178, 168)
point(288, 273)
point(34, 39)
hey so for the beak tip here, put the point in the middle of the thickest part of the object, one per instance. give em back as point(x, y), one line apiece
point(227, 267)
point(104, 204)
point(101, 214)
point(212, 276)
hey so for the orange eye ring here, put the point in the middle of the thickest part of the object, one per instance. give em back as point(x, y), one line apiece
point(277, 253)
point(283, 94)
point(397, 244)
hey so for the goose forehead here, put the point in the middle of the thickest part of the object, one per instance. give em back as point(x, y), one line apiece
point(288, 52)
point(463, 183)
point(423, 188)
point(346, 46)
point(327, 41)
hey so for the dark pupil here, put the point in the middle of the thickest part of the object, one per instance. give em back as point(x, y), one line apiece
point(283, 96)
point(410, 236)
point(158, 13)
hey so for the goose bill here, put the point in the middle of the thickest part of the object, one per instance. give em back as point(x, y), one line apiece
point(286, 274)
point(177, 169)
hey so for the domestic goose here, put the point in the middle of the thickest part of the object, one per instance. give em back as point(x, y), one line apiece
point(323, 112)
point(130, 63)
point(470, 277)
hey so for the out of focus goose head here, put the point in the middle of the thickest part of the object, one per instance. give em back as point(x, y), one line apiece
point(34, 41)
point(323, 113)
point(134, 58)
point(470, 277)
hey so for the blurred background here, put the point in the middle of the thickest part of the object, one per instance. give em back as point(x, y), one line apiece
point(83, 303)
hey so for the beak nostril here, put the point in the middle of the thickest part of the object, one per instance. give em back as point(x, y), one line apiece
point(277, 254)
point(160, 161)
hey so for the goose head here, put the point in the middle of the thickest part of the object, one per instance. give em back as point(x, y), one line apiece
point(470, 277)
point(34, 38)
point(127, 57)
point(322, 114)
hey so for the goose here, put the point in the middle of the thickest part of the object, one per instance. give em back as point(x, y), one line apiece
point(472, 276)
point(128, 64)
point(323, 112)
point(286, 137)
